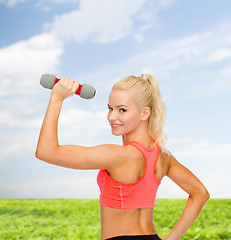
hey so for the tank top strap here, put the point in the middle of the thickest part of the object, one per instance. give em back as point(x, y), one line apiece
point(137, 145)
point(150, 154)
point(142, 147)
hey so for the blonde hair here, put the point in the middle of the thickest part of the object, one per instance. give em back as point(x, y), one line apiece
point(147, 94)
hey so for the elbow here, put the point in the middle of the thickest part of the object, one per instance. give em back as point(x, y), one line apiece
point(202, 195)
point(39, 152)
point(205, 195)
point(42, 155)
point(47, 155)
point(45, 151)
point(39, 155)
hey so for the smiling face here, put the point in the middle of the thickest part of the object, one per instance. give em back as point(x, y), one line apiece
point(124, 115)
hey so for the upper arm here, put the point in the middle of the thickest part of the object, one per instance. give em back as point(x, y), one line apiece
point(184, 178)
point(79, 157)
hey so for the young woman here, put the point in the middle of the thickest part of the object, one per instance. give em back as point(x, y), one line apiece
point(130, 174)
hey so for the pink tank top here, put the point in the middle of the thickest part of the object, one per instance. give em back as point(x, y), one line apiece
point(141, 194)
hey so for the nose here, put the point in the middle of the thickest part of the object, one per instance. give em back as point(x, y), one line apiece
point(112, 116)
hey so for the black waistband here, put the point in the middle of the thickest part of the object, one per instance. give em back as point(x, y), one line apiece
point(136, 237)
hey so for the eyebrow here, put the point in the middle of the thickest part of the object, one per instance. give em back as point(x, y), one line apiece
point(122, 105)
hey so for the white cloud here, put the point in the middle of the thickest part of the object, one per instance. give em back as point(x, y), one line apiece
point(173, 55)
point(190, 147)
point(41, 3)
point(138, 37)
point(107, 21)
point(58, 1)
point(217, 185)
point(180, 140)
point(23, 129)
point(206, 150)
point(82, 126)
point(47, 5)
point(219, 55)
point(168, 189)
point(103, 21)
point(166, 3)
point(11, 3)
point(70, 120)
point(22, 63)
point(79, 186)
point(195, 66)
point(207, 160)
point(183, 63)
point(11, 119)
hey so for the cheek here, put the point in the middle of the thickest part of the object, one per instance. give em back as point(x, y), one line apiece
point(133, 119)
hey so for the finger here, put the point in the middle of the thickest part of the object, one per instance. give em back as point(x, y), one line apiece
point(69, 83)
point(63, 80)
point(76, 85)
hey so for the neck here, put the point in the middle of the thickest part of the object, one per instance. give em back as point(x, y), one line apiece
point(140, 135)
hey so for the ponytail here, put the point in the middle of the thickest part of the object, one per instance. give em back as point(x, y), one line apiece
point(158, 112)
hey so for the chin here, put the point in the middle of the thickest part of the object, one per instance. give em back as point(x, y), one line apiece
point(120, 133)
point(117, 134)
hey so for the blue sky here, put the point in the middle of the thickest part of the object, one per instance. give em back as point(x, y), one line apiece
point(185, 44)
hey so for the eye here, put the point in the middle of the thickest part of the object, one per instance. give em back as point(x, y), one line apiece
point(109, 108)
point(122, 110)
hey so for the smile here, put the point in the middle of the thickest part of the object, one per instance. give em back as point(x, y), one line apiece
point(116, 125)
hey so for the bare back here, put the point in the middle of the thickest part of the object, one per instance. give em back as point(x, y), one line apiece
point(115, 222)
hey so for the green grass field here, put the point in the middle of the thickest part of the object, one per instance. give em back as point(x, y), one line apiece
point(80, 219)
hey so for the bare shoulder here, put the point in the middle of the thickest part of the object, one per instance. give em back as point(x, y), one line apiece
point(169, 161)
point(116, 151)
point(163, 164)
point(126, 154)
point(113, 156)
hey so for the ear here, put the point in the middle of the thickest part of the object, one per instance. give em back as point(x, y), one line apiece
point(146, 113)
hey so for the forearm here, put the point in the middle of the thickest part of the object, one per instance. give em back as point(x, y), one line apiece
point(189, 215)
point(48, 138)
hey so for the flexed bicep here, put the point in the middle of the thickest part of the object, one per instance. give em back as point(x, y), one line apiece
point(79, 157)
